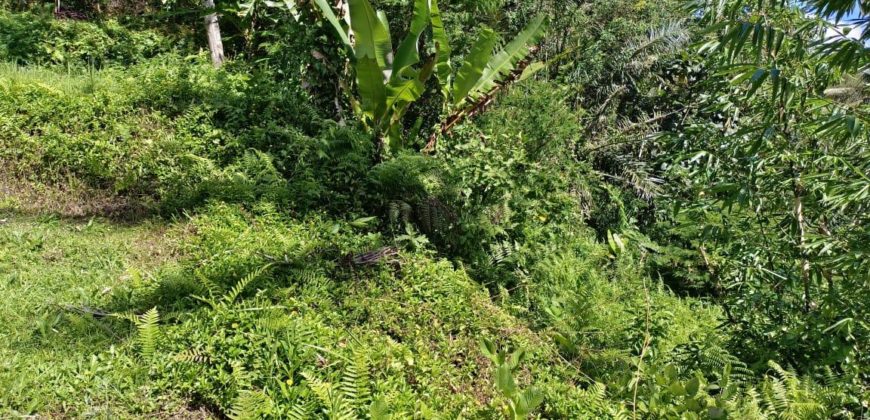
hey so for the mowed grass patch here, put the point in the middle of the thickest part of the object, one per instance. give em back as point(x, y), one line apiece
point(59, 355)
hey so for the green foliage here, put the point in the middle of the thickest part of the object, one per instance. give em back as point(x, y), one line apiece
point(250, 405)
point(481, 191)
point(39, 39)
point(647, 221)
point(254, 353)
point(57, 355)
point(520, 403)
point(780, 394)
point(753, 184)
point(148, 332)
point(388, 84)
point(195, 141)
point(547, 131)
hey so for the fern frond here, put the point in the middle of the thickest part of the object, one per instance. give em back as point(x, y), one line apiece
point(433, 216)
point(334, 404)
point(250, 405)
point(209, 301)
point(147, 326)
point(355, 380)
point(776, 395)
point(829, 378)
point(192, 356)
point(233, 294)
point(807, 410)
point(213, 289)
point(303, 333)
point(307, 275)
point(321, 389)
point(341, 409)
point(242, 378)
point(400, 212)
point(500, 251)
point(300, 411)
point(779, 370)
point(273, 321)
point(595, 398)
point(129, 316)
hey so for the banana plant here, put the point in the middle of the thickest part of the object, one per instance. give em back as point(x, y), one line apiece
point(389, 80)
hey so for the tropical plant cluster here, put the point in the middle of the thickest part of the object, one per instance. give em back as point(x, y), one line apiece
point(435, 209)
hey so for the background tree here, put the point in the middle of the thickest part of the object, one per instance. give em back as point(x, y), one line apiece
point(213, 32)
point(767, 179)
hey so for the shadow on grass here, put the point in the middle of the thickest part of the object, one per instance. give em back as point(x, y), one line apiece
point(73, 201)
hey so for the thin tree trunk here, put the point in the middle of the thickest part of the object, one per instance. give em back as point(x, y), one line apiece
point(829, 277)
point(213, 30)
point(801, 227)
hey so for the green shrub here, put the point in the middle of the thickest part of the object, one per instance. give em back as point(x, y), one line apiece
point(308, 319)
point(482, 198)
point(537, 113)
point(39, 38)
point(88, 127)
point(174, 133)
point(265, 314)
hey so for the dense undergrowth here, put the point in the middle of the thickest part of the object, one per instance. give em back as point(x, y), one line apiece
point(39, 39)
point(263, 313)
point(282, 266)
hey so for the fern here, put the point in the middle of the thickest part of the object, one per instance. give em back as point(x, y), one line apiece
point(148, 332)
point(830, 379)
point(501, 251)
point(340, 409)
point(351, 398)
point(355, 380)
point(595, 398)
point(300, 411)
point(234, 293)
point(250, 405)
point(129, 316)
point(242, 378)
point(308, 275)
point(273, 321)
point(748, 406)
point(400, 212)
point(192, 356)
point(304, 333)
point(716, 358)
point(335, 405)
point(787, 397)
point(775, 394)
point(433, 216)
point(213, 289)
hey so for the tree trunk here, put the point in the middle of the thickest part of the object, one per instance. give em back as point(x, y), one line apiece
point(213, 31)
point(829, 277)
point(801, 228)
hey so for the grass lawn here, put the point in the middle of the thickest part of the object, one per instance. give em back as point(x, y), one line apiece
point(55, 357)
